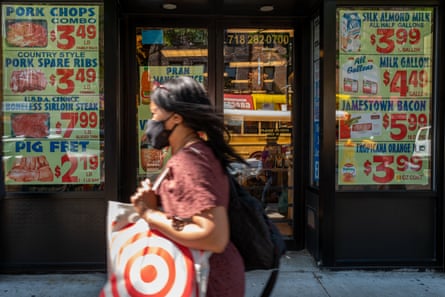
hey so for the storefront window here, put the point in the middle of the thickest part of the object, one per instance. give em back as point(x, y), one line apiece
point(258, 99)
point(384, 98)
point(52, 97)
point(163, 54)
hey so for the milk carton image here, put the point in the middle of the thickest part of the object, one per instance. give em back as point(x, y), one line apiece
point(370, 79)
point(350, 28)
point(350, 78)
point(370, 85)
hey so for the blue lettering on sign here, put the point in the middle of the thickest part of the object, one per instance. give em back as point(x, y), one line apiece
point(24, 11)
point(178, 70)
point(142, 124)
point(28, 146)
point(19, 62)
point(72, 11)
point(68, 146)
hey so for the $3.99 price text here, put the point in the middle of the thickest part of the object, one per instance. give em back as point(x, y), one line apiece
point(386, 168)
point(385, 40)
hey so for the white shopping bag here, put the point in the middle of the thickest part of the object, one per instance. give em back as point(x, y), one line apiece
point(144, 262)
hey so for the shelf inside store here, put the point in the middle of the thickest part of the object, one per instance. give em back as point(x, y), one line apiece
point(246, 81)
point(258, 115)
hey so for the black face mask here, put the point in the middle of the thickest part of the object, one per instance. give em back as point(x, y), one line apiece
point(157, 134)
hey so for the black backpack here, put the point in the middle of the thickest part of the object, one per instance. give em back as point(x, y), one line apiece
point(257, 239)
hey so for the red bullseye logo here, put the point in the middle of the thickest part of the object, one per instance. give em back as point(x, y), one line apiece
point(146, 264)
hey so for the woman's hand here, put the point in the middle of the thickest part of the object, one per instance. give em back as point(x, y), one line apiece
point(144, 198)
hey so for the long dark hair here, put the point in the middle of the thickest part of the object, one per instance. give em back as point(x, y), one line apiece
point(187, 97)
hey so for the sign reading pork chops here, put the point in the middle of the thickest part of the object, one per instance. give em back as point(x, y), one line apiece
point(52, 101)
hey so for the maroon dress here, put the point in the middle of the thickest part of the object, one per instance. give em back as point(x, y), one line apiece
point(197, 182)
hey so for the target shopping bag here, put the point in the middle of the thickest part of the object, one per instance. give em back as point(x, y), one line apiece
point(143, 262)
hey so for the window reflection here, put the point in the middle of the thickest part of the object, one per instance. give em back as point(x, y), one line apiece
point(384, 99)
point(163, 54)
point(53, 107)
point(258, 97)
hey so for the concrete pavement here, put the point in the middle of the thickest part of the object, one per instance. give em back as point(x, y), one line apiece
point(299, 277)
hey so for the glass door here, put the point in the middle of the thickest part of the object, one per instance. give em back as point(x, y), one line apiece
point(163, 54)
point(258, 98)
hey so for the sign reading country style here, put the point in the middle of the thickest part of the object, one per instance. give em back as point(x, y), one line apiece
point(385, 89)
point(51, 94)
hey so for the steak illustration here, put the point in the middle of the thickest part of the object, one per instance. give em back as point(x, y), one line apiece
point(30, 124)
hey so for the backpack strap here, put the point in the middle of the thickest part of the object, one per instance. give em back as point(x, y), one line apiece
point(267, 290)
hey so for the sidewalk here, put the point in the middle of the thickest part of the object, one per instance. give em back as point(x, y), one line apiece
point(299, 277)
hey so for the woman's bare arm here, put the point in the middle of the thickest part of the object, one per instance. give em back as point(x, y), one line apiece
point(208, 230)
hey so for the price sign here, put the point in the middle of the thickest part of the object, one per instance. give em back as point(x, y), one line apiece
point(69, 80)
point(78, 125)
point(50, 161)
point(385, 32)
point(412, 83)
point(66, 28)
point(65, 73)
point(386, 84)
point(399, 124)
point(386, 168)
point(69, 37)
point(386, 76)
point(386, 40)
point(75, 168)
point(381, 163)
point(51, 49)
point(51, 93)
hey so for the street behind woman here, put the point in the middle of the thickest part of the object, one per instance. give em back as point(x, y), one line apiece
point(194, 196)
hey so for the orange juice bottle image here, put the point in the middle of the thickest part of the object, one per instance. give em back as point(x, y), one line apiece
point(348, 169)
point(145, 86)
